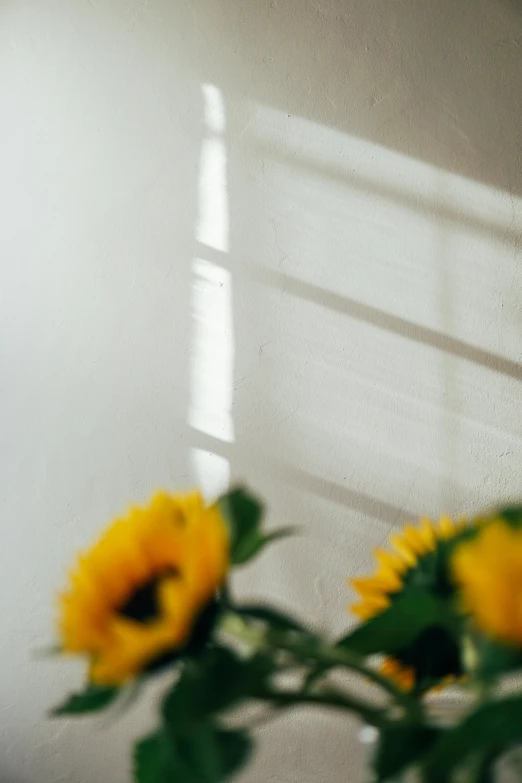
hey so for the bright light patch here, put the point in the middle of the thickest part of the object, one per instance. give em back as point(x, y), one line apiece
point(214, 109)
point(213, 223)
point(213, 352)
point(213, 347)
point(211, 473)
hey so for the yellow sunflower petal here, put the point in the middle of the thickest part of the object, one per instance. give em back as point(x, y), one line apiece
point(394, 568)
point(207, 548)
point(403, 548)
point(390, 561)
point(428, 534)
point(378, 584)
point(409, 546)
point(447, 527)
point(488, 569)
point(402, 675)
point(414, 538)
point(371, 606)
point(174, 555)
point(132, 647)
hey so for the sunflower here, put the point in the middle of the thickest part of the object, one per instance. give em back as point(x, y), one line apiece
point(488, 570)
point(418, 561)
point(139, 593)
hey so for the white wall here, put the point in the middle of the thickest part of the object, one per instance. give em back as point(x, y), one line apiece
point(278, 240)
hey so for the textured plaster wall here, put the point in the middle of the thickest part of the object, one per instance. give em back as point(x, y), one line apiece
point(276, 240)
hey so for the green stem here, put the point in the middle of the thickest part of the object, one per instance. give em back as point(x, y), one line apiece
point(481, 686)
point(338, 657)
point(322, 654)
point(480, 767)
point(371, 715)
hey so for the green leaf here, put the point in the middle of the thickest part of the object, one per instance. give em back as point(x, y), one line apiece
point(91, 700)
point(434, 655)
point(199, 753)
point(401, 624)
point(487, 732)
point(207, 754)
point(205, 687)
point(247, 548)
point(161, 758)
point(251, 546)
point(512, 514)
point(399, 746)
point(273, 617)
point(496, 659)
point(243, 513)
point(213, 683)
point(153, 760)
point(235, 747)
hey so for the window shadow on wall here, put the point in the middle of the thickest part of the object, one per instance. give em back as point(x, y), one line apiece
point(432, 365)
point(439, 82)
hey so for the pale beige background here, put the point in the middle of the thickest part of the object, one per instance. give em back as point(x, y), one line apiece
point(276, 240)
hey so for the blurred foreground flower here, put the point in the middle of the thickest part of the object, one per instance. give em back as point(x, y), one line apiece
point(417, 561)
point(138, 593)
point(488, 570)
point(445, 602)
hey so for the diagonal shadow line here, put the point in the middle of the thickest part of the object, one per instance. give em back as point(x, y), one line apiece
point(358, 501)
point(208, 253)
point(417, 202)
point(389, 322)
point(211, 444)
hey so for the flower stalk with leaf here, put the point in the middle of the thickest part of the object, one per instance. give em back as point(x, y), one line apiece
point(444, 606)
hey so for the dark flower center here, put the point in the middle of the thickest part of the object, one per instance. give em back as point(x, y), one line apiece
point(195, 644)
point(143, 605)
